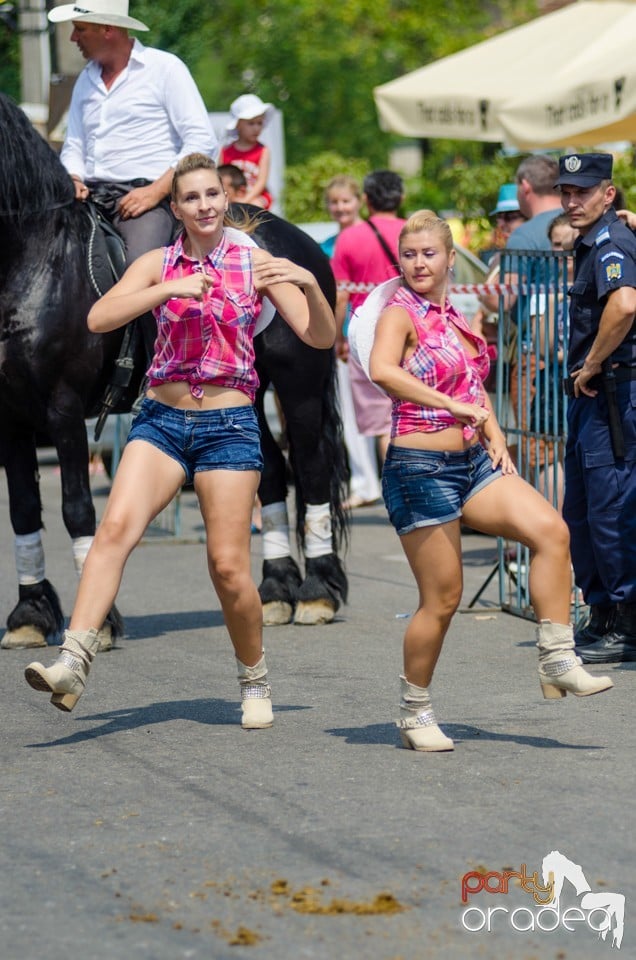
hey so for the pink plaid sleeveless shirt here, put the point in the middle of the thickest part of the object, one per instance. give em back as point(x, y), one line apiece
point(441, 362)
point(208, 341)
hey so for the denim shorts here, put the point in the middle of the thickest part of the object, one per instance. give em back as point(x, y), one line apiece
point(422, 488)
point(227, 438)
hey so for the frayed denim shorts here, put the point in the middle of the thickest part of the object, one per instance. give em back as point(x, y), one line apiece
point(422, 488)
point(227, 438)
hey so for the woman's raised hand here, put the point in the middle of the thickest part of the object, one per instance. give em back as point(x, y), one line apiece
point(193, 287)
point(268, 270)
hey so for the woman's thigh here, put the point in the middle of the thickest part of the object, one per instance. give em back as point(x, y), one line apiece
point(435, 557)
point(226, 498)
point(145, 482)
point(509, 507)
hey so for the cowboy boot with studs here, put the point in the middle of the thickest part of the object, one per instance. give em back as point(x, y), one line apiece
point(256, 695)
point(66, 679)
point(560, 670)
point(417, 725)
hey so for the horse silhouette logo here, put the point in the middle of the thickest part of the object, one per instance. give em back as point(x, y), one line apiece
point(557, 869)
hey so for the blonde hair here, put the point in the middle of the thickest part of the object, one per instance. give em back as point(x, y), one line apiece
point(345, 182)
point(427, 220)
point(200, 161)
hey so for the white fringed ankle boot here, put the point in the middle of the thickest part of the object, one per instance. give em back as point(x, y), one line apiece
point(560, 670)
point(256, 695)
point(66, 679)
point(417, 725)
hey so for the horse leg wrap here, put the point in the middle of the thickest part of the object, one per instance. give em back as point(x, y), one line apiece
point(275, 531)
point(29, 558)
point(318, 533)
point(81, 546)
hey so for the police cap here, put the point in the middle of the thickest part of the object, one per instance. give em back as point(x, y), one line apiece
point(584, 169)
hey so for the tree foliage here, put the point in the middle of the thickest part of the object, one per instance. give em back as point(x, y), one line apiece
point(318, 61)
point(9, 51)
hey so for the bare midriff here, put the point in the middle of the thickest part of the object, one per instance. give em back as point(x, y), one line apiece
point(450, 438)
point(178, 394)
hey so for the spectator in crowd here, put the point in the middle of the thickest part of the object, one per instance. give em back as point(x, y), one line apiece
point(538, 201)
point(508, 217)
point(544, 370)
point(364, 256)
point(234, 182)
point(343, 200)
point(249, 115)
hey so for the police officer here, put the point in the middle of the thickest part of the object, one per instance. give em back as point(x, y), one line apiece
point(600, 459)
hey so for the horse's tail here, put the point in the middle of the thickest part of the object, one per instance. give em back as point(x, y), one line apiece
point(337, 463)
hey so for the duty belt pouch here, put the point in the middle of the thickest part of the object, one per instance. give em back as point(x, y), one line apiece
point(568, 388)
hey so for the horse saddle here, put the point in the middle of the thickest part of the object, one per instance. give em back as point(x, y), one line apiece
point(106, 263)
point(105, 252)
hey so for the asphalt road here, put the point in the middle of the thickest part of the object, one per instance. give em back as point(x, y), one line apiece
point(147, 824)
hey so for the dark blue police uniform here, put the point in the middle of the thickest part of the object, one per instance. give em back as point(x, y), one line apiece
point(600, 476)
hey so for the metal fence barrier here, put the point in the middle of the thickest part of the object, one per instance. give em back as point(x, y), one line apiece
point(530, 404)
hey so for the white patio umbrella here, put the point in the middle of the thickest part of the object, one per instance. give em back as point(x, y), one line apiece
point(590, 99)
point(467, 95)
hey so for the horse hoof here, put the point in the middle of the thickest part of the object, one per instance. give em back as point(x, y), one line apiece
point(22, 638)
point(314, 612)
point(277, 613)
point(105, 639)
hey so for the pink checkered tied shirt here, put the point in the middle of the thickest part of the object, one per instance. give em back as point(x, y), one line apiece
point(208, 341)
point(440, 361)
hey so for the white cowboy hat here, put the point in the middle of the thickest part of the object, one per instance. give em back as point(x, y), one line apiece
point(111, 13)
point(362, 325)
point(246, 107)
point(268, 309)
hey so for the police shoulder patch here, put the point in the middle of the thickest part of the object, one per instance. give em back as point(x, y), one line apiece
point(613, 271)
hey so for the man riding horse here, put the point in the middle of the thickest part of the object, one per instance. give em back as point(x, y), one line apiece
point(135, 111)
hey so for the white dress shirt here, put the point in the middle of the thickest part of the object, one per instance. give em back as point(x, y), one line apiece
point(152, 116)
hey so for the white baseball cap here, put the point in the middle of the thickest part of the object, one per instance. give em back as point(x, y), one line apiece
point(246, 107)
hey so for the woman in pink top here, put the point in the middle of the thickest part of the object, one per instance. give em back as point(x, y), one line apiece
point(196, 423)
point(448, 460)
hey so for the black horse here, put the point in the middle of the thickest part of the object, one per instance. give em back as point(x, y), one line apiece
point(54, 373)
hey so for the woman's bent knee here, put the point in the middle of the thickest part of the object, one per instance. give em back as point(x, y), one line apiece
point(114, 534)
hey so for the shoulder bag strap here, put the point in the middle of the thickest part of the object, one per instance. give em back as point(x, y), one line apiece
point(384, 245)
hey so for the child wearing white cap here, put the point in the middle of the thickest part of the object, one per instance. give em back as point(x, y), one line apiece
point(249, 116)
